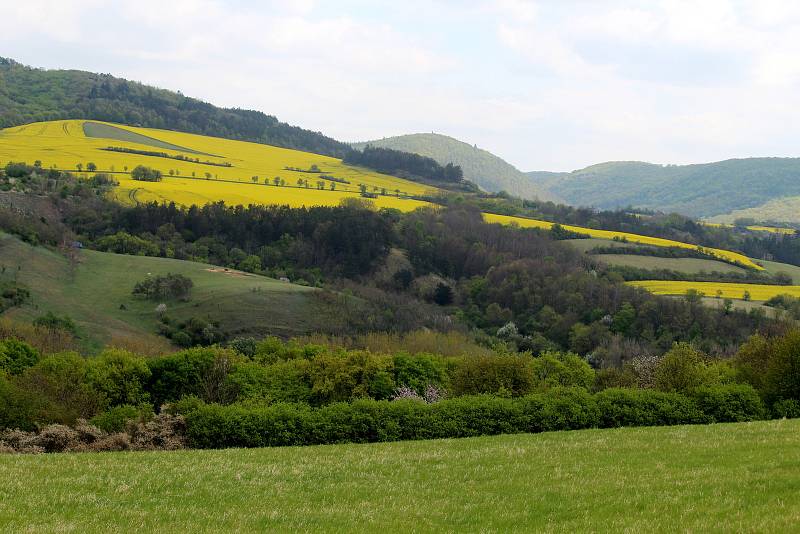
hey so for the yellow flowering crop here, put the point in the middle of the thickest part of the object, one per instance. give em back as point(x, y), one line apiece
point(759, 292)
point(523, 222)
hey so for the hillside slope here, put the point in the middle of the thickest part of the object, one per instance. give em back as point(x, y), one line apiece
point(33, 95)
point(480, 166)
point(96, 294)
point(201, 169)
point(701, 190)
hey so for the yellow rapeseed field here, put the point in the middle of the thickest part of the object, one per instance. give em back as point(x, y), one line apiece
point(759, 292)
point(64, 145)
point(523, 222)
point(249, 178)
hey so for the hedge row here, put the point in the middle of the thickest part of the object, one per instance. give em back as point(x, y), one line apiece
point(217, 426)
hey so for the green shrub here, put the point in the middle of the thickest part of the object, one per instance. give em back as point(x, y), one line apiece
point(556, 369)
point(16, 356)
point(419, 370)
point(200, 371)
point(61, 384)
point(782, 377)
point(681, 369)
point(787, 408)
point(641, 407)
point(121, 376)
point(116, 419)
point(729, 403)
point(169, 286)
point(507, 374)
point(52, 321)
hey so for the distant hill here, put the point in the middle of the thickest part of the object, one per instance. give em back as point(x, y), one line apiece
point(34, 95)
point(701, 190)
point(480, 166)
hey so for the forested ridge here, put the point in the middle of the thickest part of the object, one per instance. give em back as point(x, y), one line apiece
point(32, 95)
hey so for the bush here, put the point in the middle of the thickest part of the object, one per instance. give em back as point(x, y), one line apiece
point(120, 376)
point(505, 374)
point(169, 286)
point(16, 356)
point(555, 369)
point(636, 407)
point(202, 372)
point(681, 369)
point(212, 426)
point(419, 371)
point(782, 377)
point(729, 403)
point(786, 409)
point(116, 419)
point(146, 174)
point(52, 321)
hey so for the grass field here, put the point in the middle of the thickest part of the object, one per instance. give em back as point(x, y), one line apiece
point(65, 145)
point(729, 477)
point(523, 222)
point(93, 292)
point(774, 267)
point(755, 228)
point(683, 265)
point(758, 292)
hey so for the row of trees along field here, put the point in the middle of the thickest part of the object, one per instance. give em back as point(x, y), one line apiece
point(779, 247)
point(275, 393)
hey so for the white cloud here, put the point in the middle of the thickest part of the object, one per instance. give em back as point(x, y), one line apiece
point(544, 83)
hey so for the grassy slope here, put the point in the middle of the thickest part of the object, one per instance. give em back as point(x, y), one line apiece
point(784, 209)
point(731, 477)
point(683, 265)
point(697, 190)
point(773, 267)
point(480, 166)
point(102, 282)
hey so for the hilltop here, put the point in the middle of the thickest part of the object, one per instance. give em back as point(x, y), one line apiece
point(490, 172)
point(32, 95)
point(700, 190)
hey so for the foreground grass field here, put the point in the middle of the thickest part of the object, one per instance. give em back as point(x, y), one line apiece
point(728, 477)
point(97, 295)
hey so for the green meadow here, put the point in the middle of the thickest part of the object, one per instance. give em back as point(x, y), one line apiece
point(725, 477)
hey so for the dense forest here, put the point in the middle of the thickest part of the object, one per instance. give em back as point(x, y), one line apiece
point(405, 165)
point(519, 287)
point(31, 95)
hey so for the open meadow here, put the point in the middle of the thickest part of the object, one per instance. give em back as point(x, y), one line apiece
point(96, 293)
point(723, 477)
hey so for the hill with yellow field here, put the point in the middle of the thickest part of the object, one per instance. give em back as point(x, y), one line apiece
point(199, 169)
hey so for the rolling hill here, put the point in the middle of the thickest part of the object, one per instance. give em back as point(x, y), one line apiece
point(200, 169)
point(96, 294)
point(35, 95)
point(480, 166)
point(702, 190)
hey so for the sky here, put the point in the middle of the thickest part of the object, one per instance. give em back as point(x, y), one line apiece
point(547, 85)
